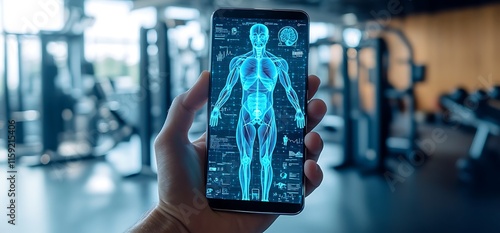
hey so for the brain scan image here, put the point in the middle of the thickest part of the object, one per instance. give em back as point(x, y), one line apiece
point(288, 36)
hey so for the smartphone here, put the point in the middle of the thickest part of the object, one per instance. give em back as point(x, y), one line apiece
point(257, 110)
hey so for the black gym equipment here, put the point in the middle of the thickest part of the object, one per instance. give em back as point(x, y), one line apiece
point(405, 144)
point(331, 89)
point(476, 98)
point(108, 126)
point(77, 121)
point(459, 95)
point(155, 92)
point(480, 110)
point(54, 99)
point(495, 92)
point(368, 138)
point(38, 104)
point(13, 100)
point(52, 107)
point(370, 127)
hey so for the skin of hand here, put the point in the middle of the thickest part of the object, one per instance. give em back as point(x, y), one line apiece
point(181, 179)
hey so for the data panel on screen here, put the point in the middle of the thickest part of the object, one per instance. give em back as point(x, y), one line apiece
point(257, 110)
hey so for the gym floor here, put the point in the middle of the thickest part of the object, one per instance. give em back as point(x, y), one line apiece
point(92, 196)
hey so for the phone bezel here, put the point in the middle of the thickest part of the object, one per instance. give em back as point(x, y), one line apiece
point(256, 206)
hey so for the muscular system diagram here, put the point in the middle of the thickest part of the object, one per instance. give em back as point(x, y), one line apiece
point(258, 71)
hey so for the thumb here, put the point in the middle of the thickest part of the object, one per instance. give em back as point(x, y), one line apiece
point(181, 114)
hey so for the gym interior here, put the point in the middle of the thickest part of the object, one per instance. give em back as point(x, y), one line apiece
point(411, 135)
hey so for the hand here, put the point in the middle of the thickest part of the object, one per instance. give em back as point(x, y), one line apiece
point(299, 118)
point(181, 183)
point(215, 116)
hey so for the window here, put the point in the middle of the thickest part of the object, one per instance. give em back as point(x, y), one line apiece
point(31, 16)
point(112, 43)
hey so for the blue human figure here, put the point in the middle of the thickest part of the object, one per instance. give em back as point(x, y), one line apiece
point(258, 72)
point(285, 140)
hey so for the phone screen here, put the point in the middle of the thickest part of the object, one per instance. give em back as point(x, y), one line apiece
point(256, 109)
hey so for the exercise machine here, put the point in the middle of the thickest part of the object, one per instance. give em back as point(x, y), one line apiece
point(480, 110)
point(155, 92)
point(368, 138)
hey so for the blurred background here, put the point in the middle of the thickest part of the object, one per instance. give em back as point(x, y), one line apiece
point(411, 135)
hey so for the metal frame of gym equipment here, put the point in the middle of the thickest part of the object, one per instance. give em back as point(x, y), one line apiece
point(367, 135)
point(370, 130)
point(352, 129)
point(345, 92)
point(49, 130)
point(53, 105)
point(336, 120)
point(8, 105)
point(406, 146)
point(50, 112)
point(50, 97)
point(153, 70)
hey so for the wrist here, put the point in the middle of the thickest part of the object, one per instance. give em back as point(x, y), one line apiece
point(160, 221)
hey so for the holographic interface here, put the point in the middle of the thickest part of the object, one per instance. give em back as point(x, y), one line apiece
point(249, 111)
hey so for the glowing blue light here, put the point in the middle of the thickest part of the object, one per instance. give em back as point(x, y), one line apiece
point(259, 72)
